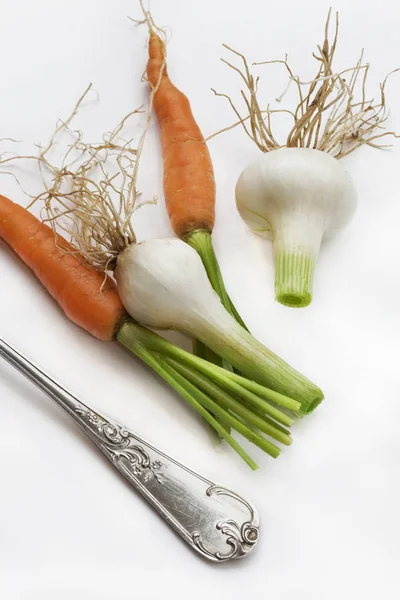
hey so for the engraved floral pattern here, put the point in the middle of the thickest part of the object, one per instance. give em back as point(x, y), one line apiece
point(240, 538)
point(123, 447)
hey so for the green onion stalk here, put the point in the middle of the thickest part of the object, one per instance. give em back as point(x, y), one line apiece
point(226, 401)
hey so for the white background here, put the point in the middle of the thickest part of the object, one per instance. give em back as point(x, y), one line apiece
point(70, 527)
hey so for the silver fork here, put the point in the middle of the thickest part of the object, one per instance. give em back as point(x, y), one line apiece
point(216, 522)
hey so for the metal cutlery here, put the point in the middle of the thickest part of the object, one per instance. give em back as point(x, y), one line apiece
point(216, 522)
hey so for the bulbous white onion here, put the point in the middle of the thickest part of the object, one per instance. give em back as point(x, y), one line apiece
point(295, 182)
point(163, 284)
point(297, 197)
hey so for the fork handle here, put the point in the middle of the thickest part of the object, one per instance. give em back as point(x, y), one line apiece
point(216, 522)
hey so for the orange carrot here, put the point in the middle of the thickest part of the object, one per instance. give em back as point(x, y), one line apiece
point(76, 286)
point(189, 185)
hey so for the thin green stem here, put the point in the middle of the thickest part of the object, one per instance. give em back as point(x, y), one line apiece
point(267, 419)
point(254, 437)
point(229, 403)
point(267, 393)
point(201, 241)
point(185, 389)
point(206, 353)
point(246, 395)
point(216, 389)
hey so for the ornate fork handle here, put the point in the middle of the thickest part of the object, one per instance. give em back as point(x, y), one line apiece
point(215, 521)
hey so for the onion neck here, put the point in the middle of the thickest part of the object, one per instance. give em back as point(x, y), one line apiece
point(297, 241)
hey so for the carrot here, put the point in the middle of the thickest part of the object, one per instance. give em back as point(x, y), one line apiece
point(189, 185)
point(76, 286)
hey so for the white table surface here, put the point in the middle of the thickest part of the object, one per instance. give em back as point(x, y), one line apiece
point(70, 527)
